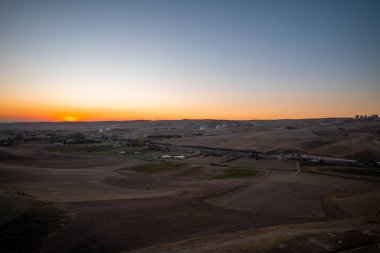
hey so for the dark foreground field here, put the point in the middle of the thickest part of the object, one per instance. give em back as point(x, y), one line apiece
point(105, 204)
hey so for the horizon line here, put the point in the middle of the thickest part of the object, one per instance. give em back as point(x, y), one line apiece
point(155, 120)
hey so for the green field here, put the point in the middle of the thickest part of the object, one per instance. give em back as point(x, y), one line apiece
point(155, 167)
point(357, 171)
point(106, 150)
point(80, 148)
point(238, 173)
point(98, 150)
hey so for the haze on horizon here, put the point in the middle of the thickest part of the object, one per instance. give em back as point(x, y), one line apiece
point(121, 60)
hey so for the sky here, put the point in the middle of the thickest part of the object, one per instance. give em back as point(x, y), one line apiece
point(125, 60)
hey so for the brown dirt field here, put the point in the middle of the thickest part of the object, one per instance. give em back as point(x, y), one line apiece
point(354, 141)
point(114, 209)
point(258, 140)
point(353, 204)
point(67, 177)
point(188, 181)
point(276, 199)
point(313, 237)
point(290, 193)
point(121, 225)
point(46, 159)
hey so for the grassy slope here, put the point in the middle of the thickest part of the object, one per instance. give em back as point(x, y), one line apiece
point(80, 149)
point(357, 171)
point(155, 167)
point(348, 170)
point(238, 173)
point(104, 150)
point(25, 233)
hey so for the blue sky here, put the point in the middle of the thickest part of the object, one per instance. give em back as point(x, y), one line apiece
point(189, 59)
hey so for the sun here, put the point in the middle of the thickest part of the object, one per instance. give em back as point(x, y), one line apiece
point(70, 118)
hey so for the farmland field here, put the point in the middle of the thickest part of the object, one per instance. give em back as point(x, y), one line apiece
point(94, 198)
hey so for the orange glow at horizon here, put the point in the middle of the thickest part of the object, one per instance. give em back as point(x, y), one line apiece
point(57, 114)
point(31, 109)
point(70, 118)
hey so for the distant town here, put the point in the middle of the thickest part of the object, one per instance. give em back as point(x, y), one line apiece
point(150, 138)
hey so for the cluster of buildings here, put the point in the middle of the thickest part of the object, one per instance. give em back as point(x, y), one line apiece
point(188, 154)
point(19, 136)
point(58, 137)
point(373, 117)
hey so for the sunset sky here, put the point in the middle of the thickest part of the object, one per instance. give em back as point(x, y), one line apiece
point(121, 60)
